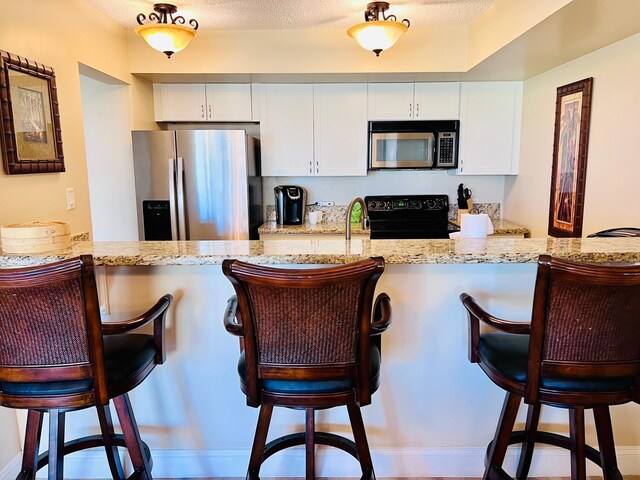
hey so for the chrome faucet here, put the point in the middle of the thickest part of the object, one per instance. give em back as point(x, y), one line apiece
point(364, 220)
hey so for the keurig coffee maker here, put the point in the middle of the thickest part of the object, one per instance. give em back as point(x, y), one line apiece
point(291, 201)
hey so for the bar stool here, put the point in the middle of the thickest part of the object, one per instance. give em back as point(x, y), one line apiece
point(56, 357)
point(308, 342)
point(580, 351)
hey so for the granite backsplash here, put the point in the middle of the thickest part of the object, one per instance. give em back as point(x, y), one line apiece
point(336, 213)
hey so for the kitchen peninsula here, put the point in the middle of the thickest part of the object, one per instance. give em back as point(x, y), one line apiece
point(434, 412)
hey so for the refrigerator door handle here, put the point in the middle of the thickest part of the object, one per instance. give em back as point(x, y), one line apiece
point(182, 225)
point(172, 199)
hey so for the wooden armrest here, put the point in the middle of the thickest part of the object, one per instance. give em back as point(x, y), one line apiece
point(230, 315)
point(381, 314)
point(476, 315)
point(124, 326)
point(155, 314)
point(476, 312)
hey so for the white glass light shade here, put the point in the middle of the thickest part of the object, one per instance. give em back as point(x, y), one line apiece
point(166, 38)
point(377, 35)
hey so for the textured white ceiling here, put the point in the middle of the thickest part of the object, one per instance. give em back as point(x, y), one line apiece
point(291, 14)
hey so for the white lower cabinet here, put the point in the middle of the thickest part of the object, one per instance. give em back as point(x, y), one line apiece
point(490, 117)
point(313, 130)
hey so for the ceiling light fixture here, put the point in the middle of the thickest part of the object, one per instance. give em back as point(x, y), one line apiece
point(376, 33)
point(169, 35)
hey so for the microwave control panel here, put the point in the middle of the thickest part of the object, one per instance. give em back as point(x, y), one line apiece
point(446, 151)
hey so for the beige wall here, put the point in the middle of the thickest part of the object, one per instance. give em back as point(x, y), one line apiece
point(60, 34)
point(613, 169)
point(504, 21)
point(304, 51)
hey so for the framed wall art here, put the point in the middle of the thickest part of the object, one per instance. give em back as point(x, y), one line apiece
point(570, 148)
point(30, 136)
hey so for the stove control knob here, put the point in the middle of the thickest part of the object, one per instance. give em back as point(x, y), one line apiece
point(383, 205)
point(372, 205)
point(431, 204)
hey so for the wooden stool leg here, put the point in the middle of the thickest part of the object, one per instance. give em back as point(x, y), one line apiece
point(526, 454)
point(576, 429)
point(606, 444)
point(56, 444)
point(360, 436)
point(132, 436)
point(106, 427)
point(496, 454)
point(259, 441)
point(310, 443)
point(31, 444)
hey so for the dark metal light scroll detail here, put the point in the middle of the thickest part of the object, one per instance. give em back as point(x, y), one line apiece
point(163, 13)
point(376, 9)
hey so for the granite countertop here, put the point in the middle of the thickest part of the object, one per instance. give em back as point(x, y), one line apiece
point(502, 227)
point(322, 228)
point(320, 251)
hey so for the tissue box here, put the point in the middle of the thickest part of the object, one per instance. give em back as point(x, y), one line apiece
point(35, 237)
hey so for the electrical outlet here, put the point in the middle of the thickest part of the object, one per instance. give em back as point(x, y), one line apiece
point(326, 204)
point(71, 199)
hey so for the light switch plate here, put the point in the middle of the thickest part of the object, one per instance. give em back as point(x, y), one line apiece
point(71, 199)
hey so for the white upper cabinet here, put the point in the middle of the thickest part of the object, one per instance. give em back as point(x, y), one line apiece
point(409, 101)
point(390, 101)
point(180, 102)
point(490, 116)
point(313, 130)
point(229, 102)
point(436, 101)
point(340, 129)
point(286, 130)
point(196, 102)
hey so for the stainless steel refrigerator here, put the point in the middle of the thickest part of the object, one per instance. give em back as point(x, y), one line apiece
point(197, 185)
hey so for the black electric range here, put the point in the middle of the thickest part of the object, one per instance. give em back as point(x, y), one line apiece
point(409, 216)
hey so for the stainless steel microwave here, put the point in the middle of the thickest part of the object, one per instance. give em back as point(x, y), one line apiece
point(413, 144)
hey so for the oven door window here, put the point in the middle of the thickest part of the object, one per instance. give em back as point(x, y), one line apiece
point(402, 150)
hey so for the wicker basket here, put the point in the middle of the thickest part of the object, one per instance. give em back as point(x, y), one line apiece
point(35, 237)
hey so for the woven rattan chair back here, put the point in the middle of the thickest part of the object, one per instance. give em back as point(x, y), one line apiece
point(50, 328)
point(586, 321)
point(305, 324)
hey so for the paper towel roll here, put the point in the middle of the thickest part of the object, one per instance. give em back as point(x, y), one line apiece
point(475, 226)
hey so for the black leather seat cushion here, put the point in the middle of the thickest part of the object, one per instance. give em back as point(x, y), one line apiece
point(507, 354)
point(124, 356)
point(324, 386)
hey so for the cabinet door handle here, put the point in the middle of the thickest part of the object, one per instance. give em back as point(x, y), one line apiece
point(317, 167)
point(202, 107)
point(410, 110)
point(210, 111)
point(310, 167)
point(417, 110)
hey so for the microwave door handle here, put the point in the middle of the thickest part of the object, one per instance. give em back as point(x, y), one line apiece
point(182, 225)
point(172, 199)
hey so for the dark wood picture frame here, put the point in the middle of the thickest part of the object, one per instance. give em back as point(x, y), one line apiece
point(30, 135)
point(570, 148)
